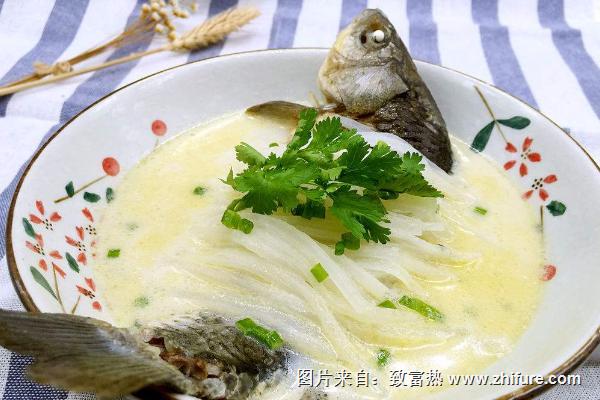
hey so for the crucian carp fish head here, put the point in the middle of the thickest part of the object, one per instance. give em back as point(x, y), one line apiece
point(364, 68)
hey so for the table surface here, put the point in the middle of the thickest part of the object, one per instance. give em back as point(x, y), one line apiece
point(546, 52)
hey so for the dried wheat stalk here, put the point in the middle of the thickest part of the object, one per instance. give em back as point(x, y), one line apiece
point(153, 19)
point(215, 29)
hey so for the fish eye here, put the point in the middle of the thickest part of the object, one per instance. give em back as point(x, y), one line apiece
point(378, 36)
point(375, 37)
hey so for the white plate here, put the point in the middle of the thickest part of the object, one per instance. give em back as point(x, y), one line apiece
point(46, 239)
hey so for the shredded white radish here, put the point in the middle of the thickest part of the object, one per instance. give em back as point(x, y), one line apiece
point(267, 275)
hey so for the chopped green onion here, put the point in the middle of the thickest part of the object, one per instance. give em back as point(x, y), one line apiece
point(319, 272)
point(233, 220)
point(387, 304)
point(114, 253)
point(383, 357)
point(199, 190)
point(421, 307)
point(273, 144)
point(141, 301)
point(480, 210)
point(271, 339)
point(245, 325)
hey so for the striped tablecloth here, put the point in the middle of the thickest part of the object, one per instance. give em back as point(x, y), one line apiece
point(546, 52)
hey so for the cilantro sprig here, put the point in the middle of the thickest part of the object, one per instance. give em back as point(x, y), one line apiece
point(327, 168)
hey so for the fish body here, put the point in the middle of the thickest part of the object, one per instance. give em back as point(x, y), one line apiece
point(371, 76)
point(205, 356)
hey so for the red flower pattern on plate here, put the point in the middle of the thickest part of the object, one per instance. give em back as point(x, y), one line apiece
point(538, 186)
point(38, 247)
point(42, 219)
point(89, 292)
point(90, 229)
point(59, 270)
point(87, 214)
point(549, 272)
point(79, 244)
point(526, 155)
point(111, 166)
point(159, 128)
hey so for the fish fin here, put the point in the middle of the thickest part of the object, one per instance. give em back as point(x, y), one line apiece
point(86, 355)
point(284, 112)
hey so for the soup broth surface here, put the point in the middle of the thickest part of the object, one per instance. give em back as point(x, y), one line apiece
point(159, 222)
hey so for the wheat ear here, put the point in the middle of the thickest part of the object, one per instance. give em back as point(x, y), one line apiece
point(211, 31)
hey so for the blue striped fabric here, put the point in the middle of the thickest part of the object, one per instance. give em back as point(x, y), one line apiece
point(102, 82)
point(568, 24)
point(422, 34)
point(22, 388)
point(283, 26)
point(569, 43)
point(349, 10)
point(60, 29)
point(500, 56)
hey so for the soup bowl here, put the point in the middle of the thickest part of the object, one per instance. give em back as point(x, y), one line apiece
point(51, 227)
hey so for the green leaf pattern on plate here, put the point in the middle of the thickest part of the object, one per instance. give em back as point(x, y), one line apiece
point(516, 122)
point(72, 262)
point(556, 208)
point(91, 197)
point(39, 278)
point(70, 189)
point(28, 228)
point(482, 137)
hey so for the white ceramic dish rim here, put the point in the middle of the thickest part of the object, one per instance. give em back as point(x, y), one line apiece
point(523, 392)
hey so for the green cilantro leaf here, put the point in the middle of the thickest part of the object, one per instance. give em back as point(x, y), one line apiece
point(310, 209)
point(327, 169)
point(305, 125)
point(249, 155)
point(326, 131)
point(360, 214)
point(266, 190)
point(410, 179)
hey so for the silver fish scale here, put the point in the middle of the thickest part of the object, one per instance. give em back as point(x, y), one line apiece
point(406, 117)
